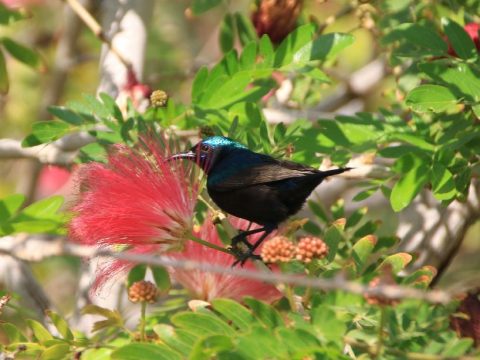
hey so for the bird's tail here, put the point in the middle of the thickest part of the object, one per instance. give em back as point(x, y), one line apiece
point(332, 172)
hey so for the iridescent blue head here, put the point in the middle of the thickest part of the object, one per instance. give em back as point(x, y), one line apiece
point(207, 151)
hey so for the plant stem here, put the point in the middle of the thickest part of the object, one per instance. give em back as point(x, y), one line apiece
point(142, 321)
point(380, 332)
point(290, 295)
point(307, 296)
point(209, 244)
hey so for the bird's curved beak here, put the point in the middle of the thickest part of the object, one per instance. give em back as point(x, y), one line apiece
point(189, 155)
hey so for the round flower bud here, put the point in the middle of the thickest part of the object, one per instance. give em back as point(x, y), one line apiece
point(309, 248)
point(143, 291)
point(159, 98)
point(277, 249)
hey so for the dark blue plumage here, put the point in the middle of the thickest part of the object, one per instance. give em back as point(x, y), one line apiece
point(254, 186)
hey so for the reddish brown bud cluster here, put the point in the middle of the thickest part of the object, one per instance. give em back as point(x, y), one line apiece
point(468, 326)
point(280, 249)
point(276, 18)
point(379, 299)
point(143, 291)
point(277, 249)
point(309, 248)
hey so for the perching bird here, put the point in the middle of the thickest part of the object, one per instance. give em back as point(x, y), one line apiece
point(253, 186)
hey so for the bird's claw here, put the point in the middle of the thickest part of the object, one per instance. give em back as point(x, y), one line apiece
point(243, 258)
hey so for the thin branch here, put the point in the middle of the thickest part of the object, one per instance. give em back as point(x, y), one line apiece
point(96, 28)
point(337, 283)
point(61, 152)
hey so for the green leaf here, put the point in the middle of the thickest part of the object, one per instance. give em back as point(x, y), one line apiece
point(297, 340)
point(266, 51)
point(332, 239)
point(10, 205)
point(96, 354)
point(397, 262)
point(56, 352)
point(327, 325)
point(227, 33)
point(264, 312)
point(66, 115)
point(161, 277)
point(231, 90)
point(9, 16)
point(13, 334)
point(207, 347)
point(411, 139)
point(246, 32)
point(462, 80)
point(260, 343)
point(3, 75)
point(362, 250)
point(200, 6)
point(459, 348)
point(137, 273)
point(39, 331)
point(434, 98)
point(202, 324)
point(111, 106)
point(322, 48)
point(316, 74)
point(178, 339)
point(317, 209)
point(292, 43)
point(45, 208)
point(414, 172)
point(22, 53)
point(442, 182)
point(60, 324)
point(234, 312)
point(421, 277)
point(93, 152)
point(422, 36)
point(145, 352)
point(459, 39)
point(356, 217)
point(46, 131)
point(113, 317)
point(249, 56)
point(365, 194)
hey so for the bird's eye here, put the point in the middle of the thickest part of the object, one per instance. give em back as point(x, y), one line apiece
point(205, 148)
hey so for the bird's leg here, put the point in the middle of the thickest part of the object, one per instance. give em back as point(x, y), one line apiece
point(242, 258)
point(242, 237)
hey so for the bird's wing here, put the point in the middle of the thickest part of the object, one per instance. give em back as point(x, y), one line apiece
point(263, 173)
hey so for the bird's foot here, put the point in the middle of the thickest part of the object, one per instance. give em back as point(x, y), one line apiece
point(242, 258)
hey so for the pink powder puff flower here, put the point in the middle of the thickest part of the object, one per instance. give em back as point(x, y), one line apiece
point(19, 3)
point(207, 286)
point(137, 199)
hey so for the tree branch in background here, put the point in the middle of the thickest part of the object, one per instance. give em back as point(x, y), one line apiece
point(96, 28)
point(59, 247)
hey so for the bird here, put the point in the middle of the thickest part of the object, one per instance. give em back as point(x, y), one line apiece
point(253, 186)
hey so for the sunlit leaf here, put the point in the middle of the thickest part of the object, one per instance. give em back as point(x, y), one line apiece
point(434, 98)
point(145, 352)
